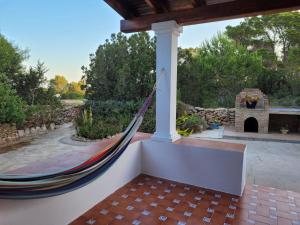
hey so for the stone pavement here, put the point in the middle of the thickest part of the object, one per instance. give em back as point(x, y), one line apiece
point(41, 149)
point(53, 152)
point(270, 164)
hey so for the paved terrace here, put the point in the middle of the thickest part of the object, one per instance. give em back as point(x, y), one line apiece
point(269, 163)
point(230, 133)
point(154, 200)
point(150, 200)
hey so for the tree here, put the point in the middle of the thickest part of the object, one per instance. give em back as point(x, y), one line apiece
point(11, 58)
point(276, 38)
point(272, 35)
point(122, 68)
point(60, 84)
point(30, 83)
point(216, 72)
point(76, 87)
point(74, 90)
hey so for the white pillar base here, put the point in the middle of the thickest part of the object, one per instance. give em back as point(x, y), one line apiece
point(165, 138)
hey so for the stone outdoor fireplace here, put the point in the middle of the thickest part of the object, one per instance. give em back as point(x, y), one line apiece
point(252, 111)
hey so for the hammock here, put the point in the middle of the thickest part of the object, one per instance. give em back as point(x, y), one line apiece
point(47, 185)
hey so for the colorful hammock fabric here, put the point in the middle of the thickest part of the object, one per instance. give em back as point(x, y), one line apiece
point(47, 185)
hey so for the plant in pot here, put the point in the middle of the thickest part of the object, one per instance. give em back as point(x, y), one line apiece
point(215, 123)
point(251, 101)
point(284, 130)
point(189, 124)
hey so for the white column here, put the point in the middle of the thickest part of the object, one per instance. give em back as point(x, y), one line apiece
point(166, 74)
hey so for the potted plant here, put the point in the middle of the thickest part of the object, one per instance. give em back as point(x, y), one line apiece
point(215, 123)
point(251, 101)
point(284, 130)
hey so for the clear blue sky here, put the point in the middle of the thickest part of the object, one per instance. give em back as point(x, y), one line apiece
point(62, 33)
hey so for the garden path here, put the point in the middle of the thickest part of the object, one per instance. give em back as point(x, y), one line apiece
point(41, 149)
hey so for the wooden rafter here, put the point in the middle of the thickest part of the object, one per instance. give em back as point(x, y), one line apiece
point(210, 13)
point(197, 3)
point(123, 8)
point(159, 6)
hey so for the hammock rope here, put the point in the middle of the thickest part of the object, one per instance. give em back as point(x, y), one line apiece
point(52, 184)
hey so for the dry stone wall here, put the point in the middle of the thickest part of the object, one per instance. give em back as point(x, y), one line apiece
point(226, 116)
point(9, 134)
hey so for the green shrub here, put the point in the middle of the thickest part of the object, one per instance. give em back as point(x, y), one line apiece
point(96, 128)
point(47, 97)
point(286, 101)
point(40, 114)
point(188, 124)
point(11, 106)
point(297, 101)
point(72, 95)
point(101, 119)
point(123, 112)
point(148, 125)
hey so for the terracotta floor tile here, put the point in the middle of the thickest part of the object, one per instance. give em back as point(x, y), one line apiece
point(150, 201)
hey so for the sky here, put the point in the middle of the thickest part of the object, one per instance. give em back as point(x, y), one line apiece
point(63, 33)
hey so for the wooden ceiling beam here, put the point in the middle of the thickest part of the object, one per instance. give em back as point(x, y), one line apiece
point(198, 3)
point(210, 13)
point(158, 6)
point(122, 8)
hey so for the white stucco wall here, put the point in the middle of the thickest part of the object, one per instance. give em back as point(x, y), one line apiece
point(211, 168)
point(221, 170)
point(63, 209)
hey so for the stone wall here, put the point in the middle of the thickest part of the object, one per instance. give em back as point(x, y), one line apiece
point(226, 116)
point(60, 116)
point(36, 125)
point(8, 133)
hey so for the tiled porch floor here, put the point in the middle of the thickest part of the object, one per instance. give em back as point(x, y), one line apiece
point(150, 200)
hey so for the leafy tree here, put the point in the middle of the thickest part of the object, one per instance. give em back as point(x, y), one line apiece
point(11, 58)
point(122, 68)
point(60, 83)
point(276, 38)
point(272, 35)
point(11, 105)
point(74, 91)
point(76, 87)
point(30, 83)
point(216, 72)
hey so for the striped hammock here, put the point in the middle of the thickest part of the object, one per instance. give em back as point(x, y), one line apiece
point(47, 185)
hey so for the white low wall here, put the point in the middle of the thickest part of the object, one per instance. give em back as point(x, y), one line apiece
point(63, 209)
point(221, 170)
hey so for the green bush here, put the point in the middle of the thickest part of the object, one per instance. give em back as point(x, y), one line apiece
point(72, 95)
point(188, 124)
point(286, 101)
point(297, 101)
point(98, 127)
point(100, 119)
point(11, 106)
point(40, 114)
point(47, 97)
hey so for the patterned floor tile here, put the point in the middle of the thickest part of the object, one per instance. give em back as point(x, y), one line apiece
point(150, 201)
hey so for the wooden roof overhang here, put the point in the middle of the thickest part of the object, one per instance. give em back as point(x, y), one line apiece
point(140, 14)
